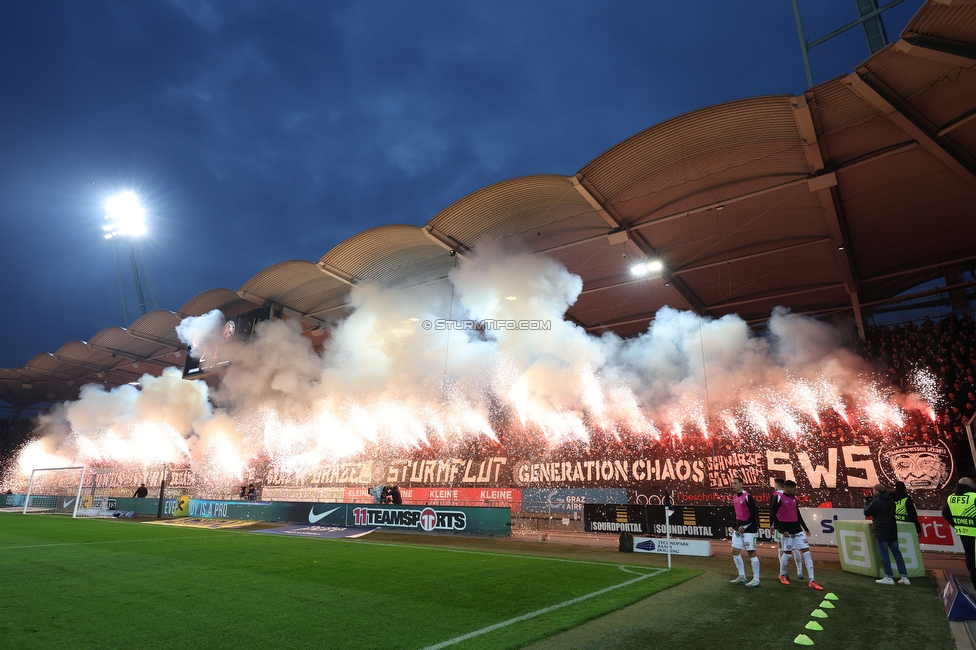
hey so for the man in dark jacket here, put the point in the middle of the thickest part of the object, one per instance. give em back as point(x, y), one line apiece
point(881, 508)
point(141, 492)
point(959, 511)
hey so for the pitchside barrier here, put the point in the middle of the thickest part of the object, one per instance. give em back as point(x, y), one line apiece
point(713, 522)
point(474, 497)
point(937, 534)
point(429, 519)
point(958, 603)
point(859, 551)
point(13, 500)
point(707, 522)
point(565, 501)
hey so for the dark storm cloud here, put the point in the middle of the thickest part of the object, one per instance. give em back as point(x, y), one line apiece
point(262, 132)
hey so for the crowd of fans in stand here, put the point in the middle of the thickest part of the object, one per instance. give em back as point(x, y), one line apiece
point(947, 350)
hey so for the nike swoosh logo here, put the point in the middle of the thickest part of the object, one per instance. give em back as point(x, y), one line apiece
point(312, 517)
point(68, 502)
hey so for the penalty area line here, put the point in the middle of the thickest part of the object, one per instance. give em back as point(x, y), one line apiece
point(540, 612)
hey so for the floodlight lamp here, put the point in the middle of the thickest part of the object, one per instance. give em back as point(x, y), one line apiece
point(125, 216)
point(639, 269)
point(655, 266)
point(511, 298)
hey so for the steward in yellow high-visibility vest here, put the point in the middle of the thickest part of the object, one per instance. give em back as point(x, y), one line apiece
point(960, 512)
point(905, 507)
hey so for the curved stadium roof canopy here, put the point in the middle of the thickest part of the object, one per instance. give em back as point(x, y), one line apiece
point(833, 201)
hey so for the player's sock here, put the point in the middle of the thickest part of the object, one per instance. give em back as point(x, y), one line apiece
point(797, 560)
point(755, 568)
point(740, 565)
point(808, 560)
point(784, 561)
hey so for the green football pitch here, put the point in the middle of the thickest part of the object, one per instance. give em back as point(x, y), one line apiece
point(110, 584)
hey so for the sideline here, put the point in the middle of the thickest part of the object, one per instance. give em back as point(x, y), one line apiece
point(446, 549)
point(105, 541)
point(492, 553)
point(544, 610)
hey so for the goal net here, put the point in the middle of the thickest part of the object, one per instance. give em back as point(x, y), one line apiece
point(54, 490)
point(97, 498)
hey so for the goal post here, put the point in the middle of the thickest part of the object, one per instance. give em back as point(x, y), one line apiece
point(54, 490)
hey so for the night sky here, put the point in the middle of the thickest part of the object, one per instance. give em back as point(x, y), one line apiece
point(262, 132)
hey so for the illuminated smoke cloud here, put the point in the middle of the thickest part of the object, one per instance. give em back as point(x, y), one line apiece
point(124, 424)
point(389, 378)
point(197, 332)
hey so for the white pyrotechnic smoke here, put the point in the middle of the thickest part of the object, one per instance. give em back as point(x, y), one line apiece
point(144, 427)
point(398, 373)
point(199, 332)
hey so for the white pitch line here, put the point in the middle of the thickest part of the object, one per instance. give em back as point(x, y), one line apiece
point(468, 552)
point(106, 541)
point(426, 547)
point(539, 612)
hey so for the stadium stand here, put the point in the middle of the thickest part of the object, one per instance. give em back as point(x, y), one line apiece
point(813, 201)
point(946, 349)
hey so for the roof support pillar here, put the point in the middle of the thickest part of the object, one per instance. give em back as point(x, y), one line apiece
point(636, 244)
point(331, 272)
point(447, 243)
point(936, 49)
point(826, 189)
point(957, 297)
point(874, 92)
point(774, 297)
point(138, 358)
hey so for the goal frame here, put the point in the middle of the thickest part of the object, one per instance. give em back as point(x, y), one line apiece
point(30, 484)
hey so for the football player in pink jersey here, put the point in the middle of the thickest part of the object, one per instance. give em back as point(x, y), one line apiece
point(779, 484)
point(789, 523)
point(744, 533)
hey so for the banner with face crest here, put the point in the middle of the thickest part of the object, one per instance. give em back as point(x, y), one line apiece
point(920, 467)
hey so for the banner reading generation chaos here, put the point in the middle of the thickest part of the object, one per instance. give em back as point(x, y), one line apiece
point(829, 474)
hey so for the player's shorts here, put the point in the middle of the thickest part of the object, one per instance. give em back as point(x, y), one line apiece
point(745, 541)
point(795, 542)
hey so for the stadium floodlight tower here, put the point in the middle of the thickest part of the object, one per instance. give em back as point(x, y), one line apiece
point(125, 225)
point(869, 18)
